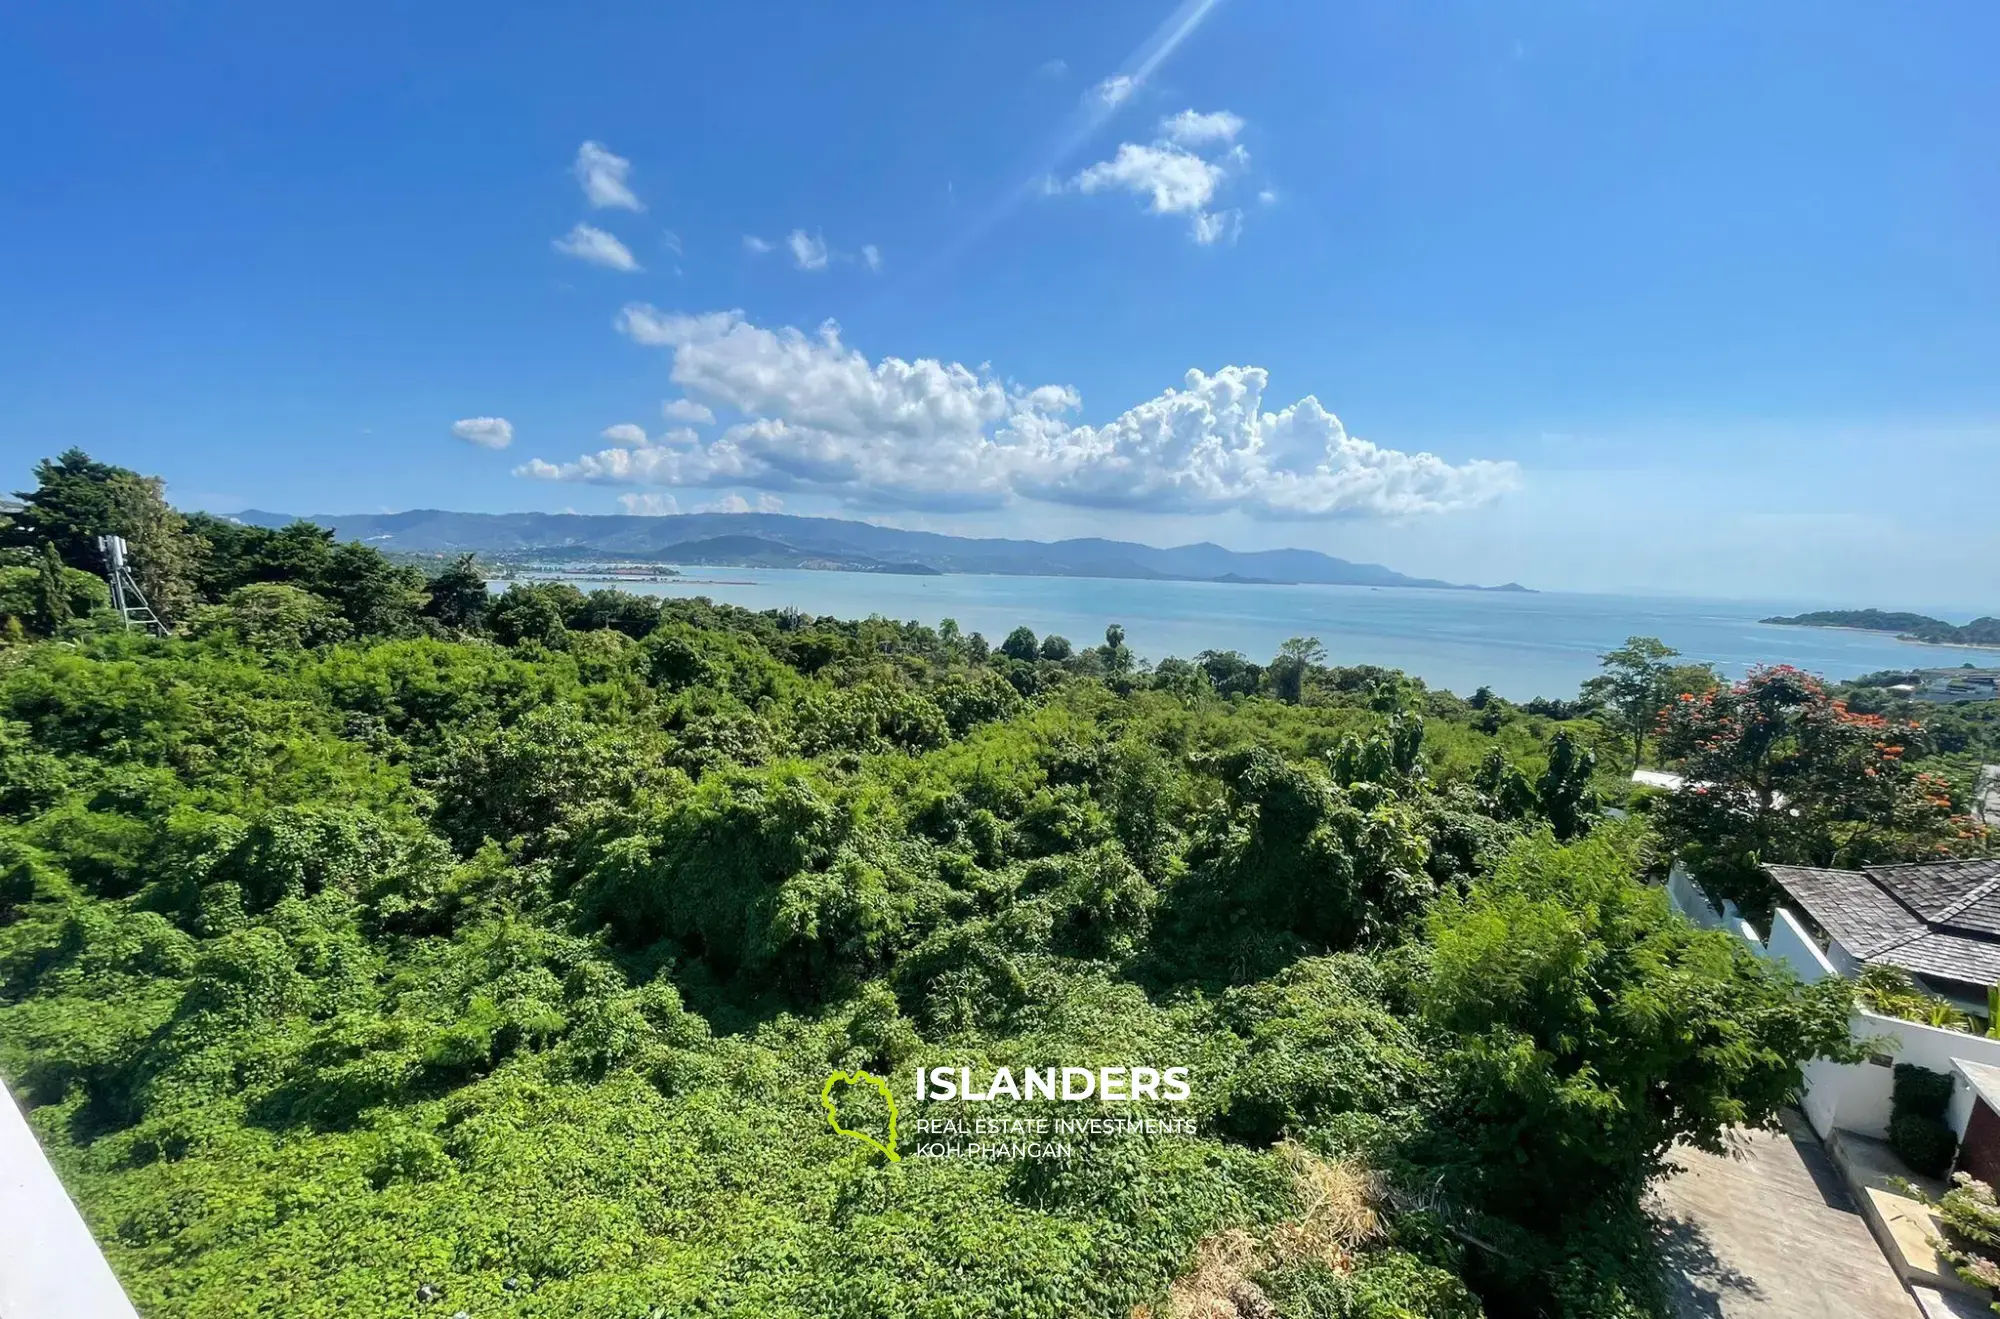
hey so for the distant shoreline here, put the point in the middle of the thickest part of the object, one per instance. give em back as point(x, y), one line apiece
point(1906, 637)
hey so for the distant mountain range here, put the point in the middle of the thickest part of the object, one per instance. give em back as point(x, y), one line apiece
point(1910, 627)
point(778, 540)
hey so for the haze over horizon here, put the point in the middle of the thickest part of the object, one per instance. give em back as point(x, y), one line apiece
point(1629, 300)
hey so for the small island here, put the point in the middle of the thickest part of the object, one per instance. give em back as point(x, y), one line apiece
point(1909, 627)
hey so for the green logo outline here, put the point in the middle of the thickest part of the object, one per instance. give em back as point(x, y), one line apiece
point(856, 1077)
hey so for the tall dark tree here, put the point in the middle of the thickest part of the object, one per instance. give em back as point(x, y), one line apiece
point(1564, 788)
point(1296, 658)
point(77, 499)
point(52, 610)
point(1117, 655)
point(458, 595)
point(1020, 644)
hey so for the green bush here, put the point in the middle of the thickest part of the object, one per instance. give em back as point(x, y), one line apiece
point(1920, 1092)
point(1925, 1143)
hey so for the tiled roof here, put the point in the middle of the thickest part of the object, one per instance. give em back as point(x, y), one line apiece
point(1938, 918)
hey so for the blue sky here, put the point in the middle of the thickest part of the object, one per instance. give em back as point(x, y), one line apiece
point(1695, 298)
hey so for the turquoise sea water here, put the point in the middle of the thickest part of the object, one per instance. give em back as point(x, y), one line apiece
point(1520, 645)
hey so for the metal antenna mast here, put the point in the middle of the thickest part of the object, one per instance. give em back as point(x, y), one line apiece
point(125, 589)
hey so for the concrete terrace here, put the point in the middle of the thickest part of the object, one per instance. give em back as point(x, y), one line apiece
point(1771, 1233)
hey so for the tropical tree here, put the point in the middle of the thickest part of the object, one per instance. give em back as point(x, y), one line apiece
point(1020, 645)
point(1296, 658)
point(1639, 682)
point(52, 609)
point(1780, 771)
point(1564, 789)
point(458, 597)
point(76, 499)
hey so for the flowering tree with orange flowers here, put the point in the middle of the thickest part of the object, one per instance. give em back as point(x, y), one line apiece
point(1780, 772)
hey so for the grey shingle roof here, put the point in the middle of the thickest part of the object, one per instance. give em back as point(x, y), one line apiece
point(1938, 918)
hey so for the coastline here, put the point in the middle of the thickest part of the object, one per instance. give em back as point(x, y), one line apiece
point(1885, 632)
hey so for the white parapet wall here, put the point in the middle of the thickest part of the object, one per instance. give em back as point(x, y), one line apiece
point(1851, 1096)
point(50, 1266)
point(1856, 1097)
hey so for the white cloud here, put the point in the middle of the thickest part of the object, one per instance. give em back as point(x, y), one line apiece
point(1115, 90)
point(871, 256)
point(738, 504)
point(752, 243)
point(940, 436)
point(808, 250)
point(1192, 129)
point(1055, 68)
point(1178, 181)
point(1216, 226)
point(1174, 177)
point(488, 432)
point(686, 410)
point(603, 178)
point(672, 242)
point(625, 433)
point(597, 247)
point(648, 504)
point(1268, 197)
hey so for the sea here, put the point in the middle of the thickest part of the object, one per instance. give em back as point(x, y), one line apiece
point(1520, 644)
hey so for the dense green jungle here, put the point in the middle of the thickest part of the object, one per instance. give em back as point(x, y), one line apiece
point(379, 945)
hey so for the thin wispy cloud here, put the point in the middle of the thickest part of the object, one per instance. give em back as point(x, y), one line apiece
point(1115, 90)
point(808, 250)
point(602, 176)
point(648, 504)
point(753, 244)
point(871, 256)
point(1055, 68)
point(1085, 123)
point(587, 243)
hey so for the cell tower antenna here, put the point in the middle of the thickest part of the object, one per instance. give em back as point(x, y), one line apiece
point(126, 597)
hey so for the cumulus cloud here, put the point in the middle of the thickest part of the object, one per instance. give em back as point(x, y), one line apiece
point(686, 410)
point(648, 504)
point(1173, 174)
point(808, 250)
point(586, 243)
point(1191, 128)
point(1176, 180)
point(752, 243)
point(1115, 90)
point(871, 256)
point(603, 175)
point(625, 433)
point(933, 435)
point(487, 432)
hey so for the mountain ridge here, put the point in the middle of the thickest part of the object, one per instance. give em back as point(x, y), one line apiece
point(826, 539)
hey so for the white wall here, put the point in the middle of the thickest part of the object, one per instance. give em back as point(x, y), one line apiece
point(1857, 1097)
point(50, 1267)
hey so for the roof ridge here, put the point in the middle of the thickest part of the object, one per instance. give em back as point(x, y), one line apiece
point(1980, 890)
